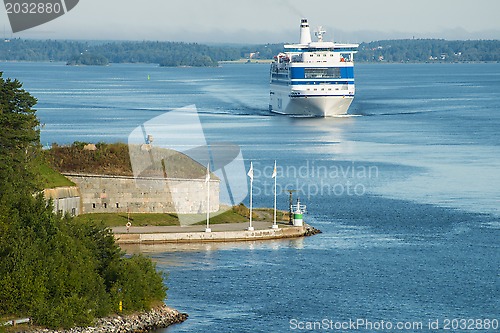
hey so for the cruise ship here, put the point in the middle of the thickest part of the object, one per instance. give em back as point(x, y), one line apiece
point(313, 79)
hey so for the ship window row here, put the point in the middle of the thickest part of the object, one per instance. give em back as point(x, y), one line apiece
point(322, 73)
point(343, 87)
point(317, 62)
point(319, 55)
point(312, 83)
point(347, 57)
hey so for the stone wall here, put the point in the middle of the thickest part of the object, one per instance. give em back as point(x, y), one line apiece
point(65, 199)
point(119, 194)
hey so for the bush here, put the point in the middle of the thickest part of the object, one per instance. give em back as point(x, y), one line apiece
point(136, 283)
point(63, 274)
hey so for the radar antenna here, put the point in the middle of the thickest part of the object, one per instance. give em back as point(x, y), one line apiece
point(319, 33)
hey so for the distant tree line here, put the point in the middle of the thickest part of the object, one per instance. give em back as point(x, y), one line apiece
point(429, 50)
point(93, 53)
point(194, 54)
point(410, 50)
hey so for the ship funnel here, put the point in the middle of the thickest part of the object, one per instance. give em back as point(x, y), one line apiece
point(305, 32)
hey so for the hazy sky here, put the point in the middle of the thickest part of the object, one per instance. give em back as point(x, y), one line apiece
point(261, 21)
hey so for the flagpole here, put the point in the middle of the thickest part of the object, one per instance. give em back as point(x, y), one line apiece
point(207, 180)
point(250, 228)
point(275, 226)
point(250, 174)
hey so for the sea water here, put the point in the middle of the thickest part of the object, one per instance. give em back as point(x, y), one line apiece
point(406, 190)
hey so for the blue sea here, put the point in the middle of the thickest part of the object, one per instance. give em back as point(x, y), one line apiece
point(406, 190)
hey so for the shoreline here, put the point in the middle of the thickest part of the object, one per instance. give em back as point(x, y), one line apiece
point(158, 317)
point(234, 232)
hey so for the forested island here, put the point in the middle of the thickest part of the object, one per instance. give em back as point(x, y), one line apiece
point(88, 59)
point(174, 54)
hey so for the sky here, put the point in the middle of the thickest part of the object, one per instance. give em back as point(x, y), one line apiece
point(268, 21)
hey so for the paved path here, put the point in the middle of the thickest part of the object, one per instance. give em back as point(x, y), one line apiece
point(258, 225)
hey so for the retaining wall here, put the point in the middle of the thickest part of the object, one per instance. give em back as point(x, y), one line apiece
point(119, 194)
point(219, 236)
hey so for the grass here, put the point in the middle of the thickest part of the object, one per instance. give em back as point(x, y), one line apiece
point(52, 178)
point(236, 214)
point(137, 219)
point(116, 159)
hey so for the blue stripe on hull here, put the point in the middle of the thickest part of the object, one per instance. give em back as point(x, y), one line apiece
point(299, 72)
point(312, 96)
point(301, 83)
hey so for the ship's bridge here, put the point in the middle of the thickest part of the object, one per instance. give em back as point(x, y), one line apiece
point(321, 52)
point(322, 46)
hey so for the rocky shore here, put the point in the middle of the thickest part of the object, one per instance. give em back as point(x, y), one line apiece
point(159, 317)
point(311, 231)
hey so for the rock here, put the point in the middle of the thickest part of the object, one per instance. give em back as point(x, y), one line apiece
point(90, 147)
point(146, 147)
point(311, 231)
point(156, 318)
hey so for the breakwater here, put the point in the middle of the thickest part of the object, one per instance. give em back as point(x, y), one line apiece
point(220, 233)
point(159, 317)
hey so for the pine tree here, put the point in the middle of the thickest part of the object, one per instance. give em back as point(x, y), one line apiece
point(19, 138)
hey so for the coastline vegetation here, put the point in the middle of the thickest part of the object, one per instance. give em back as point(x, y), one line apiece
point(100, 158)
point(56, 271)
point(429, 50)
point(175, 54)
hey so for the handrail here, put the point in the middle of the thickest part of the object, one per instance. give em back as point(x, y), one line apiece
point(14, 322)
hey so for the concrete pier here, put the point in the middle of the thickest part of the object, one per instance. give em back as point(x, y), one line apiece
point(196, 233)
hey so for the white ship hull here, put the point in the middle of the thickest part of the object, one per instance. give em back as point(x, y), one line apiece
point(310, 105)
point(318, 106)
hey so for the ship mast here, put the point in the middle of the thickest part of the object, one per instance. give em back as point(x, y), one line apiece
point(319, 34)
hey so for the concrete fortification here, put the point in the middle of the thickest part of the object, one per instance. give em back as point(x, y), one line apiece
point(119, 194)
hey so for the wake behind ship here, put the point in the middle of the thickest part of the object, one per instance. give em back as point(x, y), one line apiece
point(314, 79)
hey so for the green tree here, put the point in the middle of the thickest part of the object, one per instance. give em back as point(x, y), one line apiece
point(58, 272)
point(19, 138)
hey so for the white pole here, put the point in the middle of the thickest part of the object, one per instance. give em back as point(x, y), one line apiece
point(275, 226)
point(251, 228)
point(250, 174)
point(207, 180)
